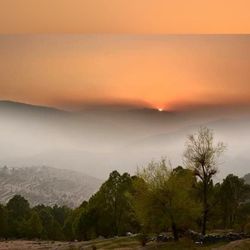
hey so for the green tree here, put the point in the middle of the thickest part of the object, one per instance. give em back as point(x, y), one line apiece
point(164, 198)
point(18, 207)
point(34, 226)
point(3, 222)
point(109, 211)
point(19, 211)
point(68, 228)
point(201, 156)
point(115, 200)
point(57, 232)
point(244, 217)
point(47, 222)
point(70, 225)
point(60, 213)
point(233, 193)
point(90, 222)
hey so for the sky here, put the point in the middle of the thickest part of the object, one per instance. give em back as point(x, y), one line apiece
point(158, 71)
point(125, 16)
point(153, 53)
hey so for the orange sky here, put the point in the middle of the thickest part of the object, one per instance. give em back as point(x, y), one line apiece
point(163, 71)
point(69, 53)
point(124, 16)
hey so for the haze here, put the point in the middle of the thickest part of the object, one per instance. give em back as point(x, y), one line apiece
point(98, 140)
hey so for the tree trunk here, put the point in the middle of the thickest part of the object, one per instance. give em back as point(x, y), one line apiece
point(205, 209)
point(175, 232)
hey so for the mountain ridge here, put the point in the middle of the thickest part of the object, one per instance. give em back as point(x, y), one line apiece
point(21, 105)
point(47, 185)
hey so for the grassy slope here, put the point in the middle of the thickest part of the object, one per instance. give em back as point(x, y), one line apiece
point(124, 243)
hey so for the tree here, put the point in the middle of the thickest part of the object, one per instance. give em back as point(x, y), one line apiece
point(3, 222)
point(201, 156)
point(244, 217)
point(108, 212)
point(60, 213)
point(18, 207)
point(47, 221)
point(89, 222)
point(164, 198)
point(68, 229)
point(233, 193)
point(19, 211)
point(115, 200)
point(57, 231)
point(34, 226)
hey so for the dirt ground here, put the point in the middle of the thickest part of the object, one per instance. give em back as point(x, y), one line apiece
point(58, 245)
point(119, 243)
point(25, 245)
point(236, 245)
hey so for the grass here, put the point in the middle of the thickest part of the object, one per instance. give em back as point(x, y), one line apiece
point(121, 242)
point(184, 244)
point(133, 243)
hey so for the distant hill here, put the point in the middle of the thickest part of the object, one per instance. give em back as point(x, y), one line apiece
point(18, 106)
point(46, 185)
point(247, 178)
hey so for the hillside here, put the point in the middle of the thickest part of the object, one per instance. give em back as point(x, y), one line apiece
point(46, 185)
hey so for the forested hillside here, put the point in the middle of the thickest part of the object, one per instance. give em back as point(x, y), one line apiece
point(47, 185)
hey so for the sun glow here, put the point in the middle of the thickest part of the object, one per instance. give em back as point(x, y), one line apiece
point(160, 109)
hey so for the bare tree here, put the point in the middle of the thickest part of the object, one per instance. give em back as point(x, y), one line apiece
point(201, 155)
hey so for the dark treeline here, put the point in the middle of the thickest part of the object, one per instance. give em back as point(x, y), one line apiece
point(159, 198)
point(109, 212)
